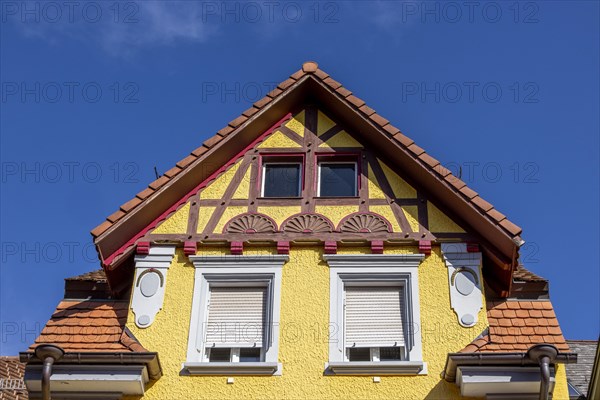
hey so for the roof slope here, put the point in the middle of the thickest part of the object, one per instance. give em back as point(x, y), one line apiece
point(12, 386)
point(579, 374)
point(516, 325)
point(116, 236)
point(89, 326)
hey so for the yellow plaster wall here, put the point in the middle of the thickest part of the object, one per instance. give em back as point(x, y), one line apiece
point(412, 215)
point(216, 188)
point(243, 190)
point(296, 124)
point(229, 213)
point(303, 348)
point(440, 222)
point(561, 390)
point(336, 213)
point(401, 189)
point(176, 223)
point(324, 123)
point(278, 139)
point(280, 213)
point(204, 214)
point(341, 139)
point(375, 191)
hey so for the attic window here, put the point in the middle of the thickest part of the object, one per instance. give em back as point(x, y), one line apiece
point(281, 179)
point(338, 179)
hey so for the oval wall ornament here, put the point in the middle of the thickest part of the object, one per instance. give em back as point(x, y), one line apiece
point(149, 284)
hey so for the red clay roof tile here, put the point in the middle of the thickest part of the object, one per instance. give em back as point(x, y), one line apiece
point(518, 325)
point(89, 326)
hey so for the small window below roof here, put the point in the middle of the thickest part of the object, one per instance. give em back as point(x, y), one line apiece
point(282, 179)
point(338, 179)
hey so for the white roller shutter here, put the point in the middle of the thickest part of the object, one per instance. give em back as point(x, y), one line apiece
point(236, 316)
point(374, 316)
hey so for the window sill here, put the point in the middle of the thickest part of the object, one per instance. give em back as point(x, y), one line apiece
point(376, 368)
point(229, 368)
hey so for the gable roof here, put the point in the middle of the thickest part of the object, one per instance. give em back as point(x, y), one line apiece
point(115, 237)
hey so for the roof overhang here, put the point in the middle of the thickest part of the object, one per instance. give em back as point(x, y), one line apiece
point(94, 375)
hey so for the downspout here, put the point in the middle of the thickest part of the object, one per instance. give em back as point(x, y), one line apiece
point(48, 354)
point(544, 354)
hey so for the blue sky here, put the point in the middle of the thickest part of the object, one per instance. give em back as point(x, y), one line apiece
point(95, 95)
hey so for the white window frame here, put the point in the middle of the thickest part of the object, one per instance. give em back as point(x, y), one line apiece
point(319, 163)
point(230, 270)
point(376, 269)
point(264, 174)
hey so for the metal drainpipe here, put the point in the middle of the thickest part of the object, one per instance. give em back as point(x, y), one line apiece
point(48, 354)
point(544, 355)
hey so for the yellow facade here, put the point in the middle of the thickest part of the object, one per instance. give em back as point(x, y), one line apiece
point(303, 348)
point(303, 341)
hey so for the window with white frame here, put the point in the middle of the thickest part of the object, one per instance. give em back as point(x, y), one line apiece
point(374, 318)
point(235, 315)
point(375, 314)
point(282, 179)
point(337, 179)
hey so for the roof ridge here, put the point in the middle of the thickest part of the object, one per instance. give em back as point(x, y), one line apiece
point(310, 68)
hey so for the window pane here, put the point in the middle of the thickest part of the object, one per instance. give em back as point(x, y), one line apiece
point(282, 180)
point(250, 355)
point(389, 353)
point(338, 180)
point(359, 354)
point(219, 354)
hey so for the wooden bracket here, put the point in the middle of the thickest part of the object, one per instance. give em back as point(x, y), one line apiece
point(283, 247)
point(189, 248)
point(143, 248)
point(377, 246)
point(425, 246)
point(330, 247)
point(237, 248)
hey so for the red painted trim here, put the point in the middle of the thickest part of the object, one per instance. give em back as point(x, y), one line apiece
point(237, 248)
point(377, 246)
point(425, 246)
point(283, 247)
point(189, 248)
point(330, 247)
point(143, 248)
point(202, 184)
point(472, 247)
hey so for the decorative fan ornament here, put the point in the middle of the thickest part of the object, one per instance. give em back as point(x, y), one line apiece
point(250, 223)
point(307, 223)
point(365, 223)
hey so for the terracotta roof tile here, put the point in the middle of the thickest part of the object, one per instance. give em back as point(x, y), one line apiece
point(130, 204)
point(145, 193)
point(518, 325)
point(12, 385)
point(297, 75)
point(470, 193)
point(286, 84)
point(239, 120)
point(343, 91)
point(96, 276)
point(173, 171)
point(379, 120)
point(225, 131)
point(86, 325)
point(117, 215)
point(191, 158)
point(321, 74)
point(158, 183)
point(332, 83)
point(251, 111)
point(353, 101)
